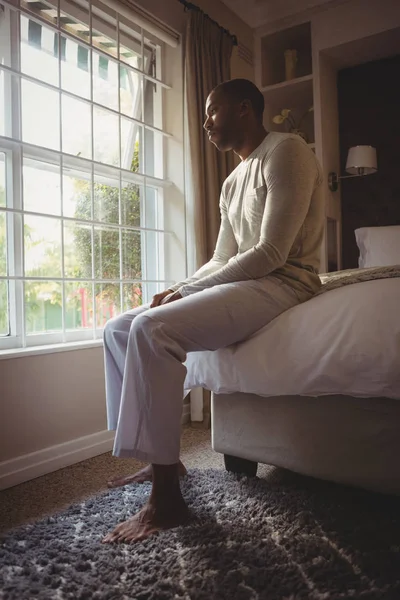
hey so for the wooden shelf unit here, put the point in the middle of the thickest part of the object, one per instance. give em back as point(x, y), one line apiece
point(273, 48)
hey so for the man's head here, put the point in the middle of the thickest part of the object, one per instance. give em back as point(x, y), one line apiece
point(233, 110)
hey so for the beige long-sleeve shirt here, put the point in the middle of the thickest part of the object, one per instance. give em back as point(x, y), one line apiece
point(272, 219)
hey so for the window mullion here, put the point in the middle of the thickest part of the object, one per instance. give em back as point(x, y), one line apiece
point(61, 163)
point(121, 287)
point(121, 265)
point(16, 250)
point(94, 317)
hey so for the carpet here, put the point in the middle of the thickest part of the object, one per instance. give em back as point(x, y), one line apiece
point(286, 537)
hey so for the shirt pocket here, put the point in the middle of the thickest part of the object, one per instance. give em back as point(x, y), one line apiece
point(254, 203)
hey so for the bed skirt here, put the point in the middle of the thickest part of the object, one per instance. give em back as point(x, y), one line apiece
point(355, 441)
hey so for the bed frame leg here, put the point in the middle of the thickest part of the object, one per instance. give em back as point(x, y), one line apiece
point(240, 466)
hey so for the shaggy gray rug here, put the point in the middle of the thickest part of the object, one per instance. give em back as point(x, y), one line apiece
point(288, 537)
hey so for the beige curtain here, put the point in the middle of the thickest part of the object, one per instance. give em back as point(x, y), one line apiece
point(208, 50)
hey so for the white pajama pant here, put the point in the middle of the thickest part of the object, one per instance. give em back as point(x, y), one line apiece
point(145, 350)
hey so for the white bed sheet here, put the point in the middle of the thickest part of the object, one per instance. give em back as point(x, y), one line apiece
point(344, 341)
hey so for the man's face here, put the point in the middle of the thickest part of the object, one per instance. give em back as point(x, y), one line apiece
point(222, 121)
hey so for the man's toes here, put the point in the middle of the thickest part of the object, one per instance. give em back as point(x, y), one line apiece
point(113, 535)
point(114, 483)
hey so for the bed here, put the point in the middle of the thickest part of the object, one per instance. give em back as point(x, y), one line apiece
point(317, 390)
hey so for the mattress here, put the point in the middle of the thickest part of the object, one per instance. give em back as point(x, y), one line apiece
point(344, 341)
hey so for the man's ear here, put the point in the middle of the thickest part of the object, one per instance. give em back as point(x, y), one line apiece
point(244, 108)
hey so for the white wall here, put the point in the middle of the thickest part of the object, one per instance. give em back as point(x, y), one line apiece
point(53, 405)
point(337, 31)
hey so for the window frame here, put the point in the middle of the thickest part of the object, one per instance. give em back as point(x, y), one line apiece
point(15, 149)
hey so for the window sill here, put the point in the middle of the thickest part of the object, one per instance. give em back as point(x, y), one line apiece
point(49, 349)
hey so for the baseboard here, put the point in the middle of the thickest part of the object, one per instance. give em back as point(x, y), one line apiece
point(35, 464)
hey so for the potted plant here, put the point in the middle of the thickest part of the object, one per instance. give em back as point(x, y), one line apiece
point(286, 116)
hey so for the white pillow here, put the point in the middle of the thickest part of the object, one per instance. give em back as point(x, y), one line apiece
point(379, 246)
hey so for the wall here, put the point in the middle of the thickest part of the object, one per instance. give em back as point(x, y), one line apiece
point(53, 405)
point(369, 114)
point(344, 33)
point(350, 33)
point(353, 20)
point(172, 13)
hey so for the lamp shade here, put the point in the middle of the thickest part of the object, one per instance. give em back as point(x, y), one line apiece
point(361, 157)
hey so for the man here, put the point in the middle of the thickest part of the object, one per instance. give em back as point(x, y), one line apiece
point(266, 261)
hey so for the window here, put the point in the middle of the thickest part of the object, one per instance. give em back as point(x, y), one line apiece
point(82, 180)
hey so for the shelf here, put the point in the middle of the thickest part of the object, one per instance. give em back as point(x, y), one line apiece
point(274, 46)
point(290, 94)
point(280, 93)
point(287, 85)
point(297, 95)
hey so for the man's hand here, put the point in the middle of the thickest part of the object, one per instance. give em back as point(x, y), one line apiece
point(157, 299)
point(171, 298)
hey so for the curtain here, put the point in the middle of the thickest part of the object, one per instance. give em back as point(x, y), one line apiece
point(208, 50)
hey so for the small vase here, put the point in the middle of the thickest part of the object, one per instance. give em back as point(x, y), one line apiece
point(290, 64)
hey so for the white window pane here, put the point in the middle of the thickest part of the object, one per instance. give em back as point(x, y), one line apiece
point(41, 185)
point(2, 179)
point(154, 153)
point(152, 53)
point(132, 254)
point(76, 127)
point(2, 102)
point(105, 81)
point(74, 18)
point(77, 250)
point(6, 79)
point(75, 68)
point(78, 305)
point(132, 295)
point(39, 51)
point(153, 96)
point(40, 115)
point(43, 306)
point(131, 146)
point(77, 194)
point(46, 10)
point(106, 199)
point(130, 89)
point(42, 237)
point(131, 47)
point(106, 253)
point(104, 39)
point(131, 204)
point(152, 245)
point(108, 302)
point(5, 37)
point(152, 208)
point(4, 304)
point(3, 244)
point(106, 137)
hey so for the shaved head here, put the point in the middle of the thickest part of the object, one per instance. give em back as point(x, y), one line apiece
point(234, 114)
point(239, 90)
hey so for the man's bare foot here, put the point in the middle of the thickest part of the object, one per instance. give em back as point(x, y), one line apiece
point(149, 521)
point(145, 474)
